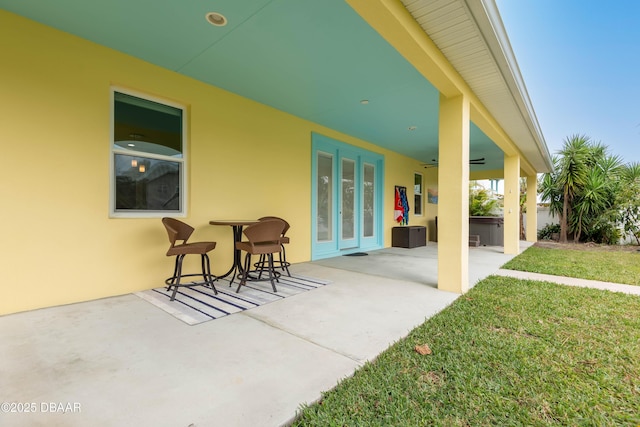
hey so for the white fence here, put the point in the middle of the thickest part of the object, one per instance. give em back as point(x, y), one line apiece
point(544, 218)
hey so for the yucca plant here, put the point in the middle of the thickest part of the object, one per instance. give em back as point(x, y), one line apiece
point(582, 190)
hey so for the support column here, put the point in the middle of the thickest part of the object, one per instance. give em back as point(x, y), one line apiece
point(512, 204)
point(532, 208)
point(453, 194)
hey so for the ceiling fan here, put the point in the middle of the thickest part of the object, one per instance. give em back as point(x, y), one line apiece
point(434, 162)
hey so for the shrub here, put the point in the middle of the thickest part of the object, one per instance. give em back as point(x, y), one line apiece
point(545, 232)
point(482, 202)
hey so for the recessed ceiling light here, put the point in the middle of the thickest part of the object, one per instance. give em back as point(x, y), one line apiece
point(364, 102)
point(131, 145)
point(412, 127)
point(216, 19)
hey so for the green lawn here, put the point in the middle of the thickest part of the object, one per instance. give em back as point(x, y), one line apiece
point(608, 266)
point(508, 353)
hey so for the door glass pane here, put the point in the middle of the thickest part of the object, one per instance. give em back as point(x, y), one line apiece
point(348, 198)
point(325, 190)
point(368, 200)
point(417, 191)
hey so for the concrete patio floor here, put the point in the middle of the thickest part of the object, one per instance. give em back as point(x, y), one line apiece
point(121, 361)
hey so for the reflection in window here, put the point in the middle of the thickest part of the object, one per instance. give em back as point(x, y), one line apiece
point(325, 197)
point(147, 184)
point(148, 156)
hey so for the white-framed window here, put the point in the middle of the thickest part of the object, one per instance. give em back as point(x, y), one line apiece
point(417, 193)
point(147, 168)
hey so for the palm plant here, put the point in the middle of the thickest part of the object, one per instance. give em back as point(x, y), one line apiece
point(591, 202)
point(549, 189)
point(523, 207)
point(582, 190)
point(598, 195)
point(571, 176)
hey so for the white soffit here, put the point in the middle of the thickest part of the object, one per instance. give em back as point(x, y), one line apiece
point(472, 37)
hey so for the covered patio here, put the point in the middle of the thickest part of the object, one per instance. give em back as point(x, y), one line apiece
point(118, 114)
point(122, 361)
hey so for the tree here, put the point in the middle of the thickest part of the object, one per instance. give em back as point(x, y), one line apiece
point(571, 175)
point(549, 189)
point(597, 196)
point(523, 207)
point(582, 190)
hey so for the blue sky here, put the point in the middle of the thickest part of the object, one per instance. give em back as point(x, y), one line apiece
point(580, 61)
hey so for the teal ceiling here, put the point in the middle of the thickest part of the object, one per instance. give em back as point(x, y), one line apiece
point(316, 59)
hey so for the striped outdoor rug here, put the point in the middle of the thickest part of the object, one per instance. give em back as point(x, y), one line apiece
point(199, 304)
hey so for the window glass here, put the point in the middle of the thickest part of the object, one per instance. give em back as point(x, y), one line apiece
point(146, 126)
point(148, 157)
point(417, 194)
point(147, 184)
point(325, 198)
point(348, 198)
point(369, 200)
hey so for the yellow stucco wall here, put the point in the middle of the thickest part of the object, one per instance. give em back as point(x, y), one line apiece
point(59, 244)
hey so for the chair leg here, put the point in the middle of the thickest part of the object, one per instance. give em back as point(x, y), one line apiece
point(175, 273)
point(272, 273)
point(206, 273)
point(245, 273)
point(260, 264)
point(177, 276)
point(283, 260)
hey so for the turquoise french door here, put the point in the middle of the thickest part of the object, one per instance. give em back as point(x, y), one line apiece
point(347, 198)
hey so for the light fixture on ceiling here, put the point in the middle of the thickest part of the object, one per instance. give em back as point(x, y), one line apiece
point(364, 102)
point(434, 162)
point(412, 128)
point(217, 19)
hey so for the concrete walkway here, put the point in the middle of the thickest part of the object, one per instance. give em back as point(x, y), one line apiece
point(123, 362)
point(570, 281)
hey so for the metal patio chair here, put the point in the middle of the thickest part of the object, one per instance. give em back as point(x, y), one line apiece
point(284, 239)
point(263, 238)
point(180, 231)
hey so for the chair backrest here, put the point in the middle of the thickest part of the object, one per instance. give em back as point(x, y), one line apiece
point(286, 224)
point(177, 230)
point(267, 230)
